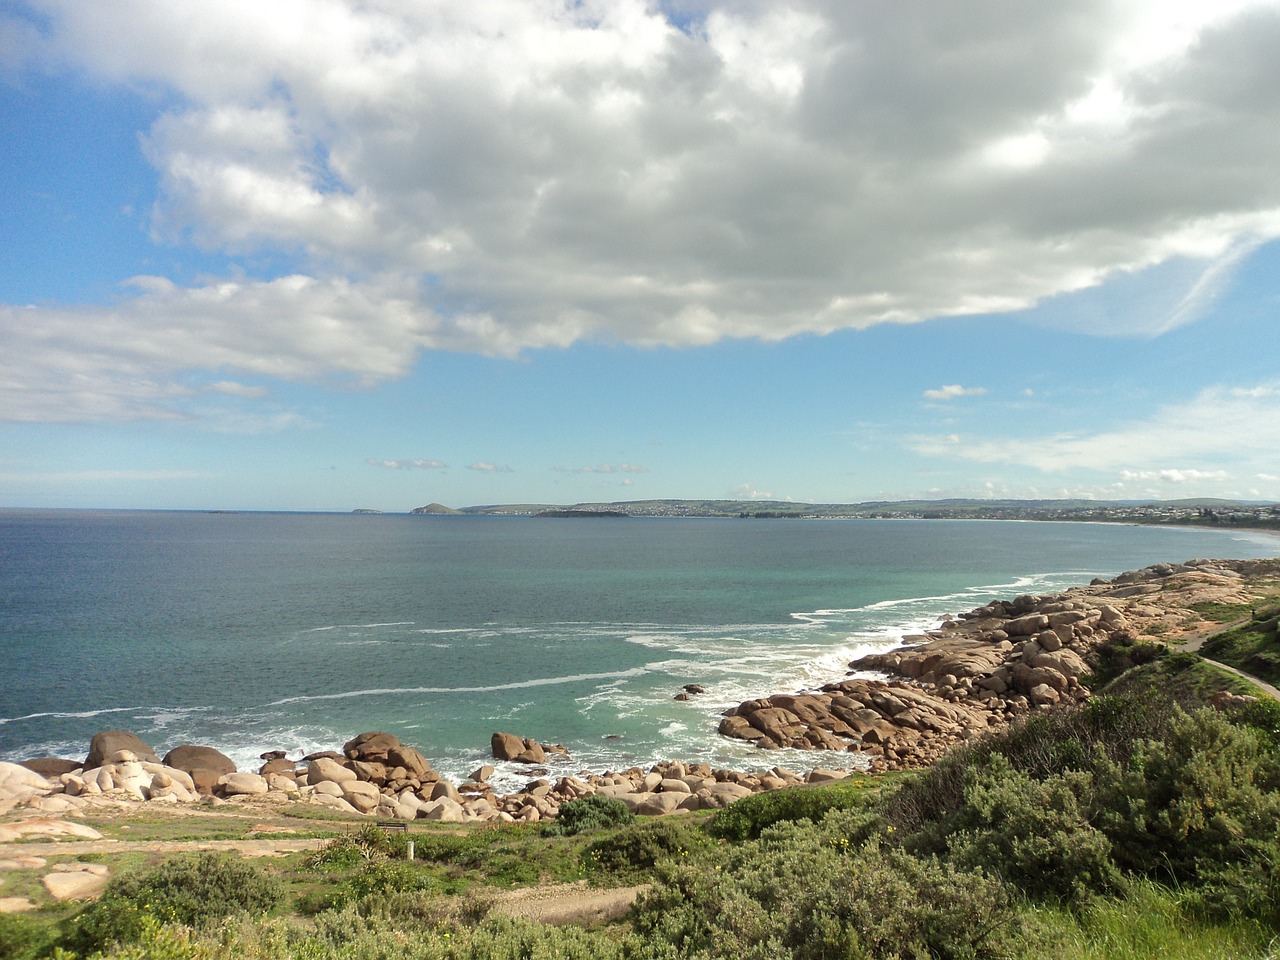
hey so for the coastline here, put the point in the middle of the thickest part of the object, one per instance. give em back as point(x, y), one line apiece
point(977, 671)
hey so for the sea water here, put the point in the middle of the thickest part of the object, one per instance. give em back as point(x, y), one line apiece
point(256, 631)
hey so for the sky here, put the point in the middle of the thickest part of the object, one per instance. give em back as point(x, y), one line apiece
point(372, 254)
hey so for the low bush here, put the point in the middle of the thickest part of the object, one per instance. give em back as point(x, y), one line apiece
point(748, 817)
point(1035, 835)
point(589, 813)
point(22, 938)
point(191, 890)
point(641, 846)
point(785, 896)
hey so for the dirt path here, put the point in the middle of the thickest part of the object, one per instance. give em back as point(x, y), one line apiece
point(567, 903)
point(1193, 642)
point(76, 848)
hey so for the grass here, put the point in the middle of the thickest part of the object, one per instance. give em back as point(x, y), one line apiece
point(1253, 647)
point(1221, 612)
point(1149, 922)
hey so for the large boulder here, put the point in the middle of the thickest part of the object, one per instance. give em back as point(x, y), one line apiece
point(507, 746)
point(324, 770)
point(190, 758)
point(242, 785)
point(110, 742)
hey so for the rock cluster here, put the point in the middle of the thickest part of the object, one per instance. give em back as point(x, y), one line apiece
point(507, 746)
point(377, 775)
point(981, 669)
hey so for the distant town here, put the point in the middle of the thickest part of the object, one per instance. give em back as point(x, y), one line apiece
point(1265, 516)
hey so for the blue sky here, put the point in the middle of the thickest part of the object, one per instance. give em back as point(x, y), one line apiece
point(332, 255)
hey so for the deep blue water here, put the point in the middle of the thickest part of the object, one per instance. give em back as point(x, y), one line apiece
point(296, 631)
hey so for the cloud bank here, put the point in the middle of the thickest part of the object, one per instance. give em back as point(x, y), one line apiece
point(518, 174)
point(1221, 433)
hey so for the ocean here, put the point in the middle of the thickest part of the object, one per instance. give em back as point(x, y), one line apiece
point(261, 631)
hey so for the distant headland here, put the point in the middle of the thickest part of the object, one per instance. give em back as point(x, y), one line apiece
point(1201, 512)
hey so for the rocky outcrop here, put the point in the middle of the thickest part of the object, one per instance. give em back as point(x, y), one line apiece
point(507, 746)
point(981, 669)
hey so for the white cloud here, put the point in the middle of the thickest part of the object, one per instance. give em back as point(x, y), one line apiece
point(748, 491)
point(408, 464)
point(1222, 430)
point(234, 389)
point(953, 390)
point(1175, 476)
point(604, 468)
point(518, 174)
point(484, 467)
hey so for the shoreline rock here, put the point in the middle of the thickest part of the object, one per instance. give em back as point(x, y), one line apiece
point(980, 670)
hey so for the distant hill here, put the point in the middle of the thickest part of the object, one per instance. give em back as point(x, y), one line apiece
point(1200, 512)
point(435, 509)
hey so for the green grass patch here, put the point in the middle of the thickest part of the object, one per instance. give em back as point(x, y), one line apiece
point(1253, 647)
point(746, 819)
point(504, 856)
point(1149, 922)
point(1221, 612)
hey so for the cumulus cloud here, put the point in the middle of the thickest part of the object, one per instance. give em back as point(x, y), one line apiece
point(749, 491)
point(1221, 428)
point(408, 464)
point(511, 175)
point(953, 390)
point(484, 467)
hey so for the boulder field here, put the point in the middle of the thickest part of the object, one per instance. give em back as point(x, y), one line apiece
point(980, 670)
point(376, 775)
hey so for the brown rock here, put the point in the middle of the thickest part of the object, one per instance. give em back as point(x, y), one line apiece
point(51, 768)
point(109, 742)
point(188, 758)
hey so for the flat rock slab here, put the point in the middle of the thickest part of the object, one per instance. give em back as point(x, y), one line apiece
point(46, 828)
point(15, 905)
point(76, 881)
point(568, 903)
point(23, 863)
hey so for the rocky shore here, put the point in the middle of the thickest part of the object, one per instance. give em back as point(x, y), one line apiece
point(374, 775)
point(982, 669)
point(976, 672)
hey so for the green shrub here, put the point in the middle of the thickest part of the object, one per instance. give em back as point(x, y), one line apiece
point(748, 817)
point(1035, 835)
point(385, 877)
point(191, 890)
point(589, 813)
point(21, 938)
point(792, 895)
point(1201, 808)
point(1262, 715)
point(640, 846)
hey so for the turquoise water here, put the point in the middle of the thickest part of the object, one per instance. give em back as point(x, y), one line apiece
point(253, 632)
